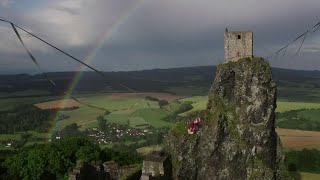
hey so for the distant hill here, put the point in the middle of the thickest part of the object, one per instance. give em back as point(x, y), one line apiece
point(160, 80)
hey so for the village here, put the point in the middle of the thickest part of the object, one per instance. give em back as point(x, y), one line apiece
point(116, 133)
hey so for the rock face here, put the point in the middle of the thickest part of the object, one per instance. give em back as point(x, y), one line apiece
point(236, 139)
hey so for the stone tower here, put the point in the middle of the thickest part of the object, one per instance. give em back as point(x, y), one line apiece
point(237, 45)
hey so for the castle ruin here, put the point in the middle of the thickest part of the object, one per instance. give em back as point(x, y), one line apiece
point(156, 166)
point(237, 45)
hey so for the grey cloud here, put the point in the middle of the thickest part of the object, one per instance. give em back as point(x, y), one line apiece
point(171, 33)
point(6, 3)
point(68, 10)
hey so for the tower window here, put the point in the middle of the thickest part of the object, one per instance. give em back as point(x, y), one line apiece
point(239, 36)
point(238, 54)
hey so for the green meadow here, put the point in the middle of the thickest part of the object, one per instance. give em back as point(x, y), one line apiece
point(7, 104)
point(283, 106)
point(312, 114)
point(198, 103)
point(309, 176)
point(136, 112)
point(29, 137)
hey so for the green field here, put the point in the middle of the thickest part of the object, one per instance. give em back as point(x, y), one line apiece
point(82, 116)
point(312, 114)
point(173, 106)
point(299, 94)
point(309, 176)
point(148, 149)
point(18, 136)
point(304, 147)
point(198, 103)
point(32, 138)
point(304, 176)
point(134, 111)
point(10, 103)
point(153, 117)
point(5, 137)
point(283, 106)
point(189, 91)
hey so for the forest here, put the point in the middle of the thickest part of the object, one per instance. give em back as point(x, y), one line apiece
point(26, 118)
point(57, 160)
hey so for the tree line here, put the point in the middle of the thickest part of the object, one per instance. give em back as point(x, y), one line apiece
point(306, 160)
point(57, 160)
point(292, 120)
point(26, 118)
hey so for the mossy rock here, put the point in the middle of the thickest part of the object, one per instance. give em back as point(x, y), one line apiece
point(236, 139)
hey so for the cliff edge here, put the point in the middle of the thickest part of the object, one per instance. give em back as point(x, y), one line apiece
point(236, 138)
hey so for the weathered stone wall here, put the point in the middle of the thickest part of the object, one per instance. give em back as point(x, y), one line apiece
point(107, 171)
point(157, 166)
point(112, 169)
point(87, 171)
point(234, 48)
point(153, 168)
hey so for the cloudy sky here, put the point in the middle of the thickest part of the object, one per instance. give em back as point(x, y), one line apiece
point(120, 35)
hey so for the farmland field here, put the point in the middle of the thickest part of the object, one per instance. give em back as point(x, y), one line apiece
point(124, 108)
point(189, 91)
point(298, 109)
point(132, 109)
point(64, 103)
point(149, 149)
point(165, 96)
point(299, 139)
point(200, 102)
point(10, 103)
point(31, 138)
point(309, 176)
point(283, 106)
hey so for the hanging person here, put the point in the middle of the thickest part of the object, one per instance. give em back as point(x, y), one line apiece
point(194, 126)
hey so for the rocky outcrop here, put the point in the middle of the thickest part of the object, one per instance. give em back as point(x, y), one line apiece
point(236, 139)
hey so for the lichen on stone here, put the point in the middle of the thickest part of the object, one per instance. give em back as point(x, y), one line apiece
point(237, 139)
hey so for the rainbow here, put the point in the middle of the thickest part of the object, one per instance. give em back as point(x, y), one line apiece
point(91, 56)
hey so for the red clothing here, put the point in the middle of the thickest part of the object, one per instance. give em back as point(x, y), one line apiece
point(193, 126)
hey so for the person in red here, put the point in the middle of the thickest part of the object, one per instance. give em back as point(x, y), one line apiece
point(193, 126)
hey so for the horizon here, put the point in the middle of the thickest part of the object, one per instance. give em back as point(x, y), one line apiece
point(140, 70)
point(138, 34)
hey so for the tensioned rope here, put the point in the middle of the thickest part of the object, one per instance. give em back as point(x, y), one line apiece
point(45, 74)
point(65, 53)
point(313, 29)
point(14, 26)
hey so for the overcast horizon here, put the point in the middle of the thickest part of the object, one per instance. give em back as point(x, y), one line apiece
point(133, 35)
